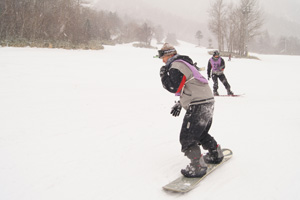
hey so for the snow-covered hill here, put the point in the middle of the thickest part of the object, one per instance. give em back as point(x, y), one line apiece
point(90, 125)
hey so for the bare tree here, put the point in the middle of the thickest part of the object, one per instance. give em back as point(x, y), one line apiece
point(217, 16)
point(171, 39)
point(210, 43)
point(237, 26)
point(231, 28)
point(158, 34)
point(251, 21)
point(145, 34)
point(199, 36)
point(64, 23)
point(67, 21)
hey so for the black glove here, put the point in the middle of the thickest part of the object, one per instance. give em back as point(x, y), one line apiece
point(195, 65)
point(175, 111)
point(163, 71)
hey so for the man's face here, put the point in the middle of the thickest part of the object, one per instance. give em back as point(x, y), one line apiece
point(166, 58)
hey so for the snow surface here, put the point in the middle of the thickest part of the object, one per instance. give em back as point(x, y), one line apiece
point(91, 125)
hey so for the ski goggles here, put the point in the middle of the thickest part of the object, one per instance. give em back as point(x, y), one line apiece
point(162, 53)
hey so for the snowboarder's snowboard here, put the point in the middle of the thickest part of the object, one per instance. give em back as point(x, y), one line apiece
point(184, 184)
point(202, 69)
point(225, 95)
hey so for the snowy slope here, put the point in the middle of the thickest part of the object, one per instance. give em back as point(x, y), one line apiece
point(90, 125)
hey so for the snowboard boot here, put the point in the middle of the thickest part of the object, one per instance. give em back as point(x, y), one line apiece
point(214, 156)
point(229, 93)
point(216, 93)
point(197, 168)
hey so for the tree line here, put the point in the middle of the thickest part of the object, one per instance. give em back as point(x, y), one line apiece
point(74, 24)
point(235, 25)
point(266, 44)
point(238, 29)
point(67, 24)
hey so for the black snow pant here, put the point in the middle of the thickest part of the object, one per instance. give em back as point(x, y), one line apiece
point(223, 79)
point(194, 132)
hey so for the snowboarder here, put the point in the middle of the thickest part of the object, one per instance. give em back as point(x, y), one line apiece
point(215, 69)
point(180, 76)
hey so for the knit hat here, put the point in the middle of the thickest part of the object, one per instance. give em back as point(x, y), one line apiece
point(216, 53)
point(166, 50)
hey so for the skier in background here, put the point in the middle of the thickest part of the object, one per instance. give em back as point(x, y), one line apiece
point(215, 69)
point(180, 76)
point(229, 57)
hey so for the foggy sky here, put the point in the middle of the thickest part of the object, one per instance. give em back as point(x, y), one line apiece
point(170, 13)
point(195, 9)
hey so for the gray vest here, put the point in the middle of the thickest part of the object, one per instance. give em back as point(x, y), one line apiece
point(194, 91)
